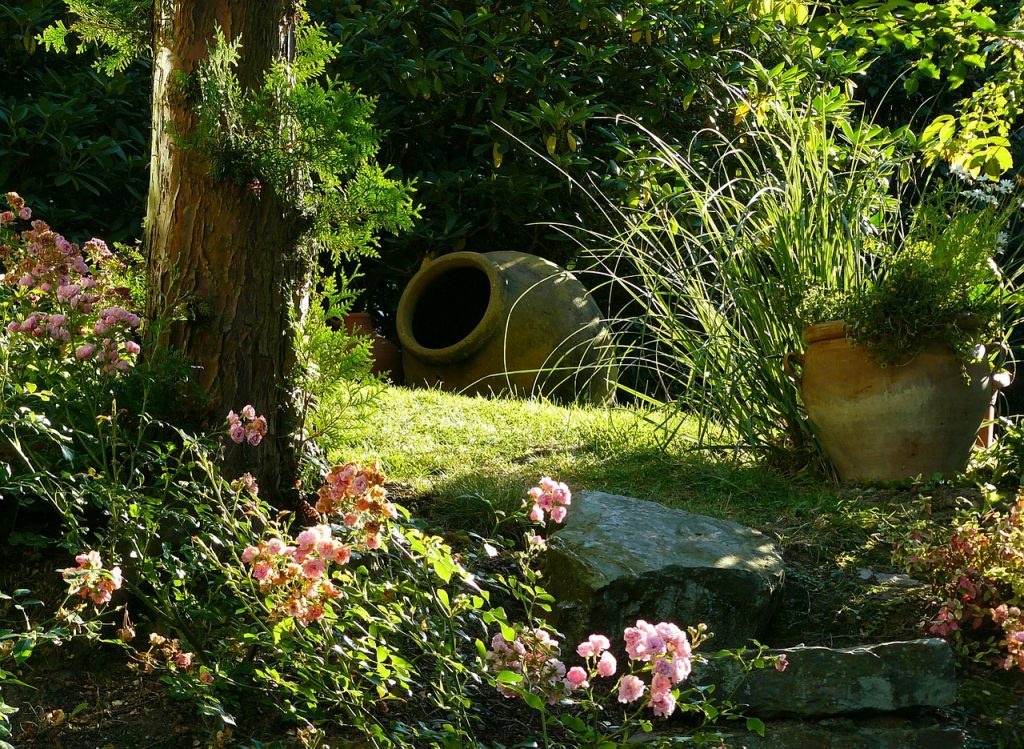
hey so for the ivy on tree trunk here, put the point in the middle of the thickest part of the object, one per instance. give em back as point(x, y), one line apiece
point(226, 254)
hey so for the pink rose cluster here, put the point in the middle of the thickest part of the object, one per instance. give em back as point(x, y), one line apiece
point(248, 427)
point(167, 652)
point(549, 496)
point(533, 654)
point(1011, 622)
point(298, 574)
point(90, 580)
point(18, 208)
point(356, 494)
point(663, 649)
point(667, 649)
point(54, 277)
point(41, 325)
point(114, 324)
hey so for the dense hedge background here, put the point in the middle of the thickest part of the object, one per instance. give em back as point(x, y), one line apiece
point(73, 142)
point(485, 104)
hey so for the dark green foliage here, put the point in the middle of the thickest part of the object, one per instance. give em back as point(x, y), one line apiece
point(73, 141)
point(459, 85)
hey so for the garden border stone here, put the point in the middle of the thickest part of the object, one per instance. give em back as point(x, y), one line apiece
point(619, 559)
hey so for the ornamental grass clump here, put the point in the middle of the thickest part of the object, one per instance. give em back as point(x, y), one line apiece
point(703, 280)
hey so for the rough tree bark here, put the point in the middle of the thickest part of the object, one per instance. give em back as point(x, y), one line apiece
point(228, 254)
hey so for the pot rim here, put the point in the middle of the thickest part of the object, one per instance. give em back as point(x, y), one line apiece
point(476, 338)
point(824, 331)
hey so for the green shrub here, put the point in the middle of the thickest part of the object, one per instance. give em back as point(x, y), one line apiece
point(75, 141)
point(977, 578)
point(937, 281)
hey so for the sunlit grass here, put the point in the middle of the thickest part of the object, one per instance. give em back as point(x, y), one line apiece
point(474, 453)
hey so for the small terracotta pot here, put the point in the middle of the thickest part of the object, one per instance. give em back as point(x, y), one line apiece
point(387, 359)
point(889, 423)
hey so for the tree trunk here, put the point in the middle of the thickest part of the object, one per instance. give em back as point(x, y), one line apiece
point(225, 254)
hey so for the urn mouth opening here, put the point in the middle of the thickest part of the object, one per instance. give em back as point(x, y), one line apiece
point(450, 308)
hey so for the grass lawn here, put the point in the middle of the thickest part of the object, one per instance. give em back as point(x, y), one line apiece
point(453, 448)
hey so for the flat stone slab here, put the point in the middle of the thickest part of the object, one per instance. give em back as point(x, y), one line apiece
point(823, 681)
point(882, 732)
point(619, 559)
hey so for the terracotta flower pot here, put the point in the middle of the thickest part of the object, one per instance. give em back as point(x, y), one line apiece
point(387, 359)
point(504, 322)
point(889, 423)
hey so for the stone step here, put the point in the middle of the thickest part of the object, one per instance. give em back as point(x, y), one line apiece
point(876, 732)
point(824, 681)
point(618, 559)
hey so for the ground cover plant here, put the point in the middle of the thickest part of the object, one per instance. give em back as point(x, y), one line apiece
point(322, 617)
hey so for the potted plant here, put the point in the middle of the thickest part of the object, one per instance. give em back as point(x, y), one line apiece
point(899, 371)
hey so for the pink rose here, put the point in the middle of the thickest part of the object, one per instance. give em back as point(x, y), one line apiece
point(577, 677)
point(342, 554)
point(606, 665)
point(558, 513)
point(261, 571)
point(680, 669)
point(307, 538)
point(663, 704)
point(631, 688)
point(313, 569)
point(325, 549)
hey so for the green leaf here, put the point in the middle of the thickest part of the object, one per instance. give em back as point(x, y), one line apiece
point(23, 650)
point(443, 568)
point(755, 725)
point(533, 700)
point(509, 677)
point(983, 22)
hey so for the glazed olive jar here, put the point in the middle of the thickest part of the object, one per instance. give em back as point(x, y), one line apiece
point(504, 322)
